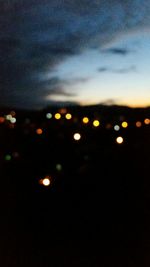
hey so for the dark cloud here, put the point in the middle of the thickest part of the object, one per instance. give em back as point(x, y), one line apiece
point(120, 70)
point(126, 70)
point(103, 69)
point(37, 35)
point(118, 51)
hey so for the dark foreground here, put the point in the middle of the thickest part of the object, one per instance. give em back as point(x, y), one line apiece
point(96, 210)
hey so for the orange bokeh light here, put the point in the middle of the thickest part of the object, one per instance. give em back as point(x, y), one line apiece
point(39, 131)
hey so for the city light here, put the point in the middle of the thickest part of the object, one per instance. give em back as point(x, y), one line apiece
point(147, 121)
point(77, 136)
point(2, 119)
point(57, 116)
point(85, 120)
point(48, 115)
point(108, 126)
point(96, 123)
point(39, 131)
point(58, 167)
point(68, 116)
point(119, 140)
point(138, 124)
point(45, 181)
point(116, 127)
point(124, 124)
point(8, 117)
point(7, 157)
point(13, 120)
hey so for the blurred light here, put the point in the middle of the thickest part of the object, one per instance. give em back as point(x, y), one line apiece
point(2, 119)
point(57, 116)
point(147, 121)
point(13, 120)
point(124, 124)
point(8, 117)
point(15, 154)
point(13, 113)
point(96, 123)
point(58, 167)
point(116, 127)
point(7, 157)
point(77, 136)
point(46, 181)
point(85, 120)
point(11, 126)
point(63, 110)
point(138, 124)
point(119, 140)
point(108, 126)
point(68, 116)
point(39, 131)
point(48, 115)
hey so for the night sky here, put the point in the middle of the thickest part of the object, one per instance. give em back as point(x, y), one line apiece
point(80, 51)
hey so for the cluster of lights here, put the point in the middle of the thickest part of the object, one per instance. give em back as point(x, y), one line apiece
point(47, 180)
point(96, 123)
point(10, 118)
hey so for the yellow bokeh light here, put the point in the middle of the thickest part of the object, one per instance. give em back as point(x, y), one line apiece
point(138, 124)
point(124, 124)
point(68, 116)
point(96, 123)
point(147, 121)
point(85, 120)
point(57, 116)
point(77, 136)
point(39, 131)
point(119, 140)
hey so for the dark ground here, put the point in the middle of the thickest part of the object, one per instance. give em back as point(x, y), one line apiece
point(96, 211)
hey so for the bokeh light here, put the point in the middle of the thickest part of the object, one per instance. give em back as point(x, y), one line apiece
point(147, 121)
point(77, 136)
point(13, 113)
point(8, 117)
point(58, 167)
point(124, 124)
point(108, 126)
point(45, 181)
point(119, 140)
point(7, 157)
point(57, 116)
point(13, 120)
point(62, 110)
point(39, 131)
point(2, 119)
point(85, 120)
point(96, 123)
point(48, 115)
point(68, 116)
point(116, 127)
point(138, 124)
